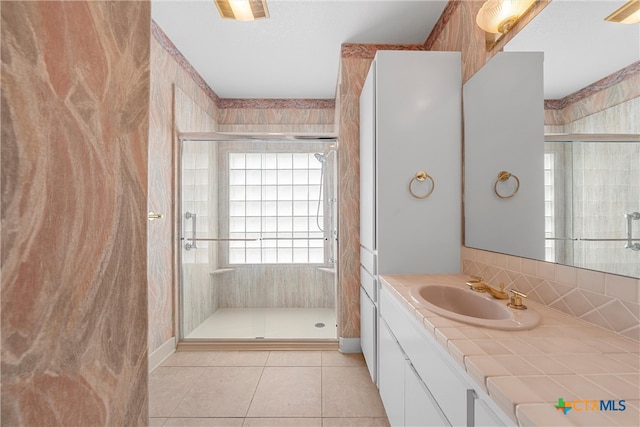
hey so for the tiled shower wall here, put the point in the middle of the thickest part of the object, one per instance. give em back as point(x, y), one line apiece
point(274, 285)
point(606, 186)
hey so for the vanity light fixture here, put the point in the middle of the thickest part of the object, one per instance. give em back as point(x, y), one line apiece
point(628, 13)
point(499, 16)
point(243, 10)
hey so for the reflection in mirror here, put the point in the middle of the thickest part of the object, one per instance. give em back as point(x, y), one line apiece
point(592, 190)
point(591, 88)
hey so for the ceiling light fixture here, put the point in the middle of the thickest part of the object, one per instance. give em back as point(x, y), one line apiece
point(628, 13)
point(243, 10)
point(499, 16)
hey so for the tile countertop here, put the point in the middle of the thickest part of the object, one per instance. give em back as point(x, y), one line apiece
point(525, 372)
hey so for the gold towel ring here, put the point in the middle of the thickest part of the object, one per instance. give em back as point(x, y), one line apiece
point(421, 176)
point(504, 176)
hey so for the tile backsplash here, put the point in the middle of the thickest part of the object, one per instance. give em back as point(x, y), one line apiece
point(606, 300)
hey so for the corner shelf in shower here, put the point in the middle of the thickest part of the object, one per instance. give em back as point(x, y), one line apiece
point(222, 271)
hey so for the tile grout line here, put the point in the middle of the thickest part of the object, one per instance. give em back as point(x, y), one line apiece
point(256, 389)
point(321, 388)
point(186, 393)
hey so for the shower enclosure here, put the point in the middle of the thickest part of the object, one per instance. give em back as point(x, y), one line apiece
point(592, 202)
point(258, 236)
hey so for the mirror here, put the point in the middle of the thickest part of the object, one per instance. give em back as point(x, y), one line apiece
point(587, 188)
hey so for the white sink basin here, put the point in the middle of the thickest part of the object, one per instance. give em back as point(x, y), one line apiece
point(480, 309)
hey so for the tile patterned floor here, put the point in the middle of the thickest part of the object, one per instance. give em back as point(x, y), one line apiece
point(264, 388)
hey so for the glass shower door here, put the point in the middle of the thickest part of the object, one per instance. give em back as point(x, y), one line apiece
point(258, 240)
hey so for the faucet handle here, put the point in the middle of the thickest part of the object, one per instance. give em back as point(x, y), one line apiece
point(516, 300)
point(475, 279)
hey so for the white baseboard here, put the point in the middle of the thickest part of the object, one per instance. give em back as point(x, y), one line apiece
point(350, 345)
point(161, 353)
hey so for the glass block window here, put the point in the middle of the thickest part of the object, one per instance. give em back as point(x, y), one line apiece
point(549, 207)
point(273, 200)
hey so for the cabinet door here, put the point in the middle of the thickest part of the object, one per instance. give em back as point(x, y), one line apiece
point(391, 376)
point(418, 116)
point(484, 416)
point(368, 332)
point(434, 366)
point(420, 407)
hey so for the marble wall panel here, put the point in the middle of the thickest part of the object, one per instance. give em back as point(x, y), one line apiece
point(273, 286)
point(603, 108)
point(621, 118)
point(274, 120)
point(459, 33)
point(617, 88)
point(75, 91)
point(353, 74)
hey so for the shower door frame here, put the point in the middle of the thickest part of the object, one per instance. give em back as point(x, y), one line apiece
point(238, 343)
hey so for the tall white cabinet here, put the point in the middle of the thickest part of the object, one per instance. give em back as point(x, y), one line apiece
point(410, 122)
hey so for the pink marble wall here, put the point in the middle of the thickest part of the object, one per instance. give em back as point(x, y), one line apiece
point(612, 90)
point(75, 88)
point(256, 116)
point(457, 31)
point(311, 116)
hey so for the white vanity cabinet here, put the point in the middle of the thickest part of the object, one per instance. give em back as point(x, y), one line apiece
point(436, 390)
point(391, 379)
point(407, 400)
point(410, 116)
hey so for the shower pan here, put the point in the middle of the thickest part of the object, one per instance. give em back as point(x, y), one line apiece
point(257, 240)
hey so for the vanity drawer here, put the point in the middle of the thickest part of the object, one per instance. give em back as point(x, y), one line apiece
point(368, 283)
point(368, 260)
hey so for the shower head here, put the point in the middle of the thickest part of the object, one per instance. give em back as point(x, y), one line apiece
point(323, 157)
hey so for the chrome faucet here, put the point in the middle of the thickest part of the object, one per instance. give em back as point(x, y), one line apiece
point(476, 284)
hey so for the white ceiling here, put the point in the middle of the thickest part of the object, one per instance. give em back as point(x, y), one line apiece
point(296, 52)
point(579, 46)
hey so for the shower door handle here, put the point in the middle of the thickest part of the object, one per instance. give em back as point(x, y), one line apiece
point(194, 227)
point(630, 217)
